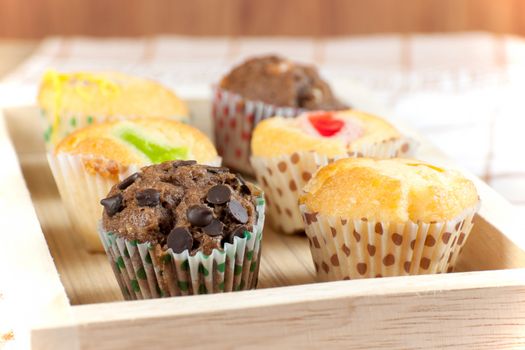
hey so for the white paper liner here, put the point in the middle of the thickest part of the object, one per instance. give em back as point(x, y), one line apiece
point(234, 119)
point(350, 249)
point(74, 121)
point(82, 190)
point(283, 177)
point(144, 270)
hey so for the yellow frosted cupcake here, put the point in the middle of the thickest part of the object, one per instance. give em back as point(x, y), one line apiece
point(392, 217)
point(287, 151)
point(69, 101)
point(88, 162)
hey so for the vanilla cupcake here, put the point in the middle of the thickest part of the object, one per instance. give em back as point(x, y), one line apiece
point(69, 101)
point(88, 162)
point(260, 88)
point(286, 152)
point(392, 217)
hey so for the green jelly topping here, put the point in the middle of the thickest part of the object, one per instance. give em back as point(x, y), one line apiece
point(155, 152)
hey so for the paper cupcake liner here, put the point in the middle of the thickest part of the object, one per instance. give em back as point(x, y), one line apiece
point(282, 178)
point(74, 121)
point(234, 119)
point(345, 249)
point(81, 191)
point(144, 270)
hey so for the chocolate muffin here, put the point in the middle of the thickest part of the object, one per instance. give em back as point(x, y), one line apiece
point(181, 205)
point(280, 82)
point(180, 228)
point(261, 88)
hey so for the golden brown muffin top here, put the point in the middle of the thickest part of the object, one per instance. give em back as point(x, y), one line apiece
point(391, 190)
point(140, 141)
point(330, 133)
point(109, 94)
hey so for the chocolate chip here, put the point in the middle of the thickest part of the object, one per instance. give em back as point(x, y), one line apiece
point(218, 194)
point(199, 215)
point(112, 204)
point(148, 197)
point(244, 187)
point(237, 232)
point(237, 211)
point(217, 170)
point(214, 228)
point(128, 181)
point(180, 239)
point(179, 163)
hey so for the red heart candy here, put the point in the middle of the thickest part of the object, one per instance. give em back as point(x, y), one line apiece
point(325, 123)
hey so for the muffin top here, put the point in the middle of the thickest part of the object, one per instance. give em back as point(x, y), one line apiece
point(140, 141)
point(108, 94)
point(181, 205)
point(330, 133)
point(390, 190)
point(280, 82)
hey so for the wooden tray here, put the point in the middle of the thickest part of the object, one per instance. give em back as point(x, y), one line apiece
point(62, 298)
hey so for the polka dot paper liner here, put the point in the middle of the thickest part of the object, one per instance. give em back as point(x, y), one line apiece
point(234, 119)
point(67, 123)
point(344, 249)
point(282, 178)
point(145, 270)
point(81, 190)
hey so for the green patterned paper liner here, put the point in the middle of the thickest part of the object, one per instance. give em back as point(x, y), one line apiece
point(74, 121)
point(145, 271)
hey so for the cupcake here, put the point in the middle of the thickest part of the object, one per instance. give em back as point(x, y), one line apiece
point(180, 228)
point(69, 101)
point(258, 89)
point(391, 217)
point(88, 162)
point(286, 152)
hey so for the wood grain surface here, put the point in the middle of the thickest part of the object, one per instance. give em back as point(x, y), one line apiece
point(414, 313)
point(39, 18)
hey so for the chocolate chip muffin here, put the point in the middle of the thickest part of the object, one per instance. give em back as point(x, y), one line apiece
point(181, 205)
point(181, 228)
point(278, 81)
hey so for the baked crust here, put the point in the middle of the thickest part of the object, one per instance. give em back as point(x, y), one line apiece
point(108, 94)
point(391, 190)
point(283, 136)
point(100, 141)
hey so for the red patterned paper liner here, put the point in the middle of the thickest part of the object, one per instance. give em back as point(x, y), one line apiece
point(234, 119)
